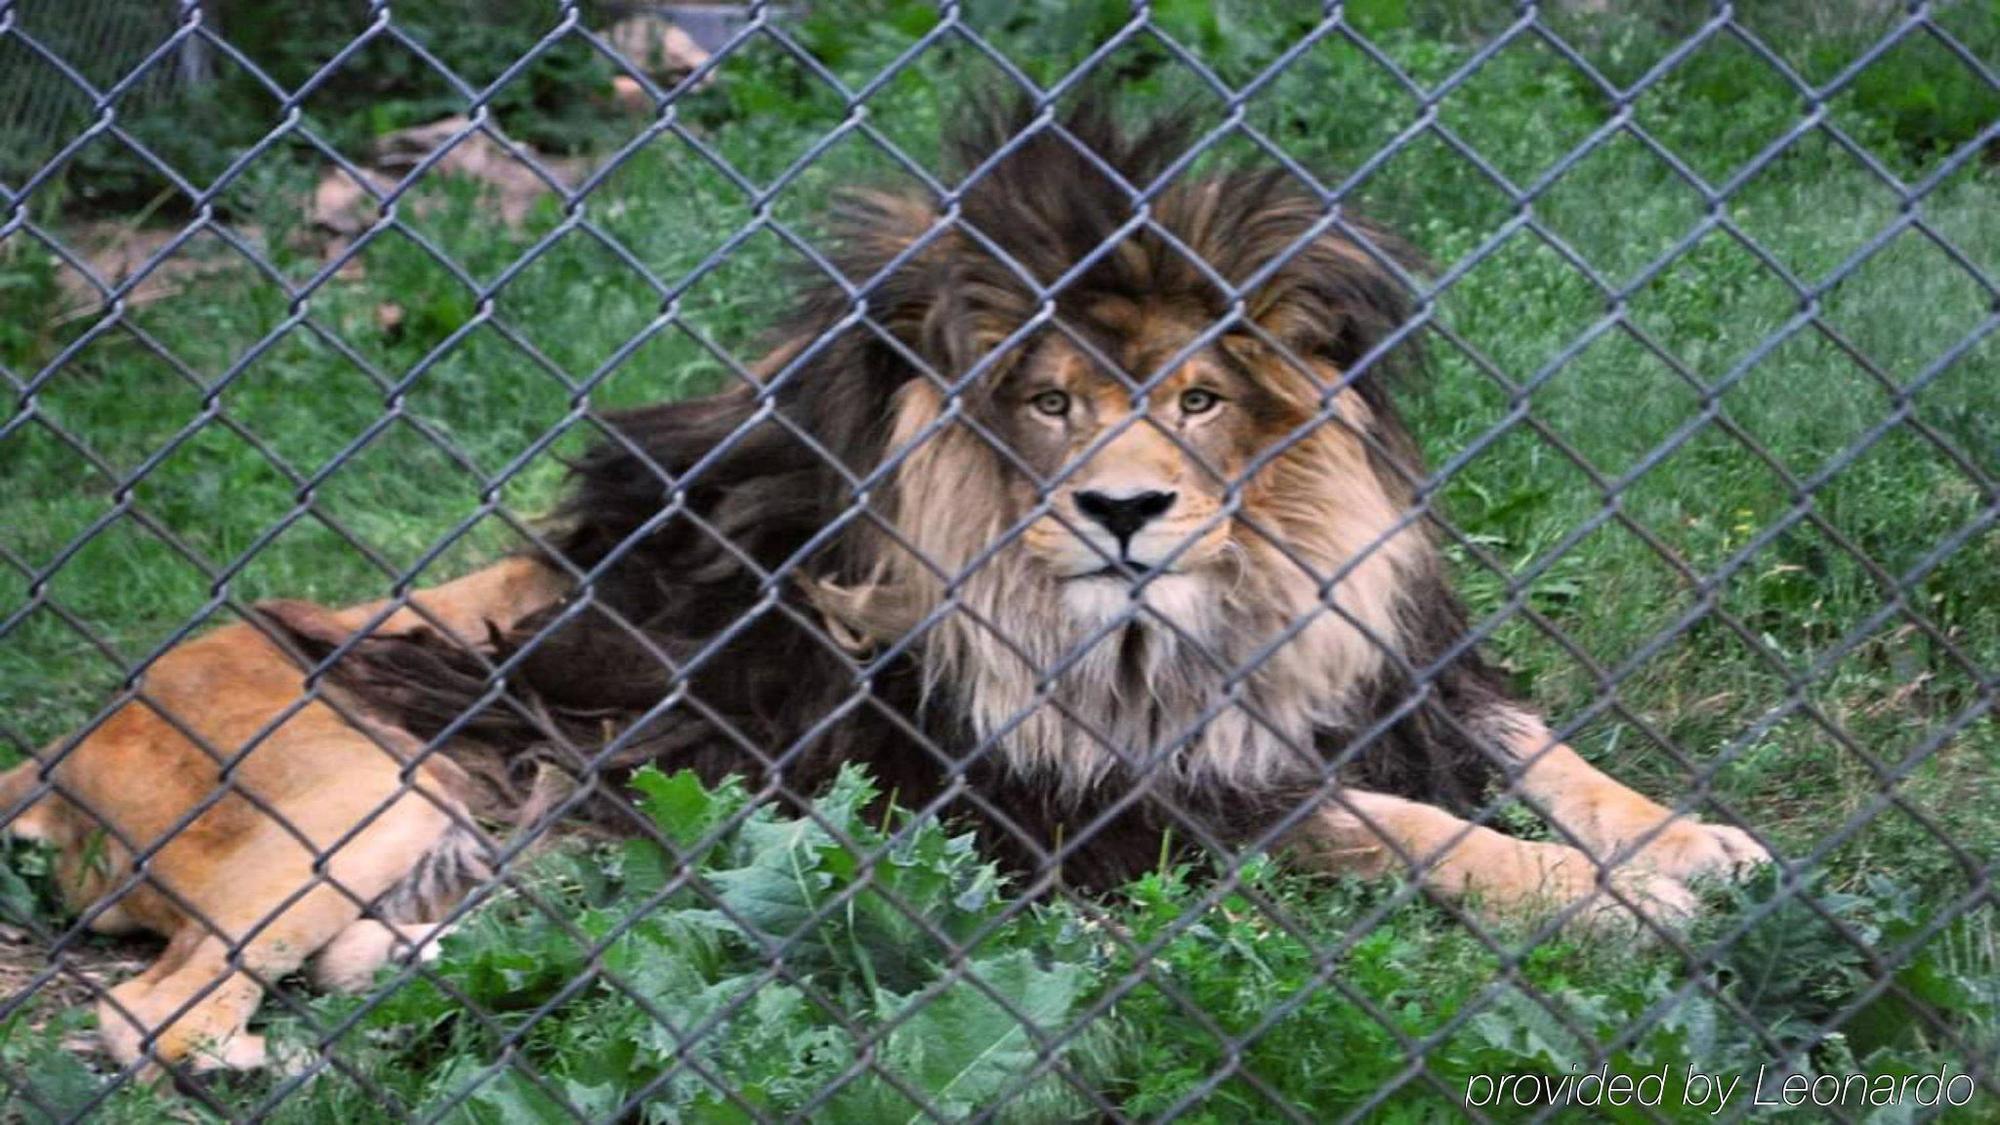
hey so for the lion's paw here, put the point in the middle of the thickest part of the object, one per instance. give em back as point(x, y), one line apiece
point(242, 1051)
point(1637, 902)
point(1690, 849)
point(1629, 901)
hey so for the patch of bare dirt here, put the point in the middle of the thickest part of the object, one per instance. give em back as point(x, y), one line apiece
point(118, 251)
point(511, 178)
point(60, 982)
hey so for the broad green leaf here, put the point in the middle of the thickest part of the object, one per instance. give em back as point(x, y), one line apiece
point(962, 1048)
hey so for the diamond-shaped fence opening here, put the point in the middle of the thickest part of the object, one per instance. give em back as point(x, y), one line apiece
point(799, 561)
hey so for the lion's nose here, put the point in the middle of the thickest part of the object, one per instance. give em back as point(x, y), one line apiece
point(1123, 516)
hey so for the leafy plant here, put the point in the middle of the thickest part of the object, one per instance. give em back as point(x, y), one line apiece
point(892, 934)
point(652, 976)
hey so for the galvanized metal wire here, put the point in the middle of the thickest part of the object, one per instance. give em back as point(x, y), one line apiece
point(189, 34)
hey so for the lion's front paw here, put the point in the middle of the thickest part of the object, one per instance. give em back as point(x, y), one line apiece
point(1689, 849)
point(1629, 901)
point(1637, 902)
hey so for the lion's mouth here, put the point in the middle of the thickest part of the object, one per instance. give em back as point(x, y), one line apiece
point(1126, 571)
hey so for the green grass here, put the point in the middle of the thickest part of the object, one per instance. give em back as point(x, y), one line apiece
point(1795, 612)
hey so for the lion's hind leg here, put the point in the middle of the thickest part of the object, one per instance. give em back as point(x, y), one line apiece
point(191, 1007)
point(315, 822)
point(267, 829)
point(1373, 834)
point(266, 910)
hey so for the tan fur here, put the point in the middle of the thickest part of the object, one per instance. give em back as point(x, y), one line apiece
point(239, 878)
point(1617, 824)
point(1373, 834)
point(1047, 666)
point(348, 962)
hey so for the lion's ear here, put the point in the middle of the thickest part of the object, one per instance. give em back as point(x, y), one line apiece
point(944, 295)
point(1340, 296)
point(873, 228)
point(891, 247)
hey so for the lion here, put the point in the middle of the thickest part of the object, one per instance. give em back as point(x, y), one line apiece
point(1077, 507)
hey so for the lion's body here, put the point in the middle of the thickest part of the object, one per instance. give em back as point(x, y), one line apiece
point(740, 593)
point(1143, 558)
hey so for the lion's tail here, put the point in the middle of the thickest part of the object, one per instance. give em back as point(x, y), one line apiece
point(458, 862)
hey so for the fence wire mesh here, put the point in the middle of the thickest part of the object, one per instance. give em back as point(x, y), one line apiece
point(1011, 999)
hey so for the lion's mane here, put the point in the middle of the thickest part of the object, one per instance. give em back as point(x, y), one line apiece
point(818, 567)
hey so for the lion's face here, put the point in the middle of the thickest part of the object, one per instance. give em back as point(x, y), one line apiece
point(1137, 478)
point(1128, 473)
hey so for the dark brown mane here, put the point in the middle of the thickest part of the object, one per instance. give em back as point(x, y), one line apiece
point(696, 646)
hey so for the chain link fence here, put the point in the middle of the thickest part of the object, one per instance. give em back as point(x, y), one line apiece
point(107, 39)
point(755, 952)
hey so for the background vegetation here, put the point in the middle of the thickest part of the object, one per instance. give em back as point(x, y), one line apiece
point(1868, 628)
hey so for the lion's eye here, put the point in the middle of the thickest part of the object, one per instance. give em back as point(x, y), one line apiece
point(1197, 401)
point(1055, 404)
